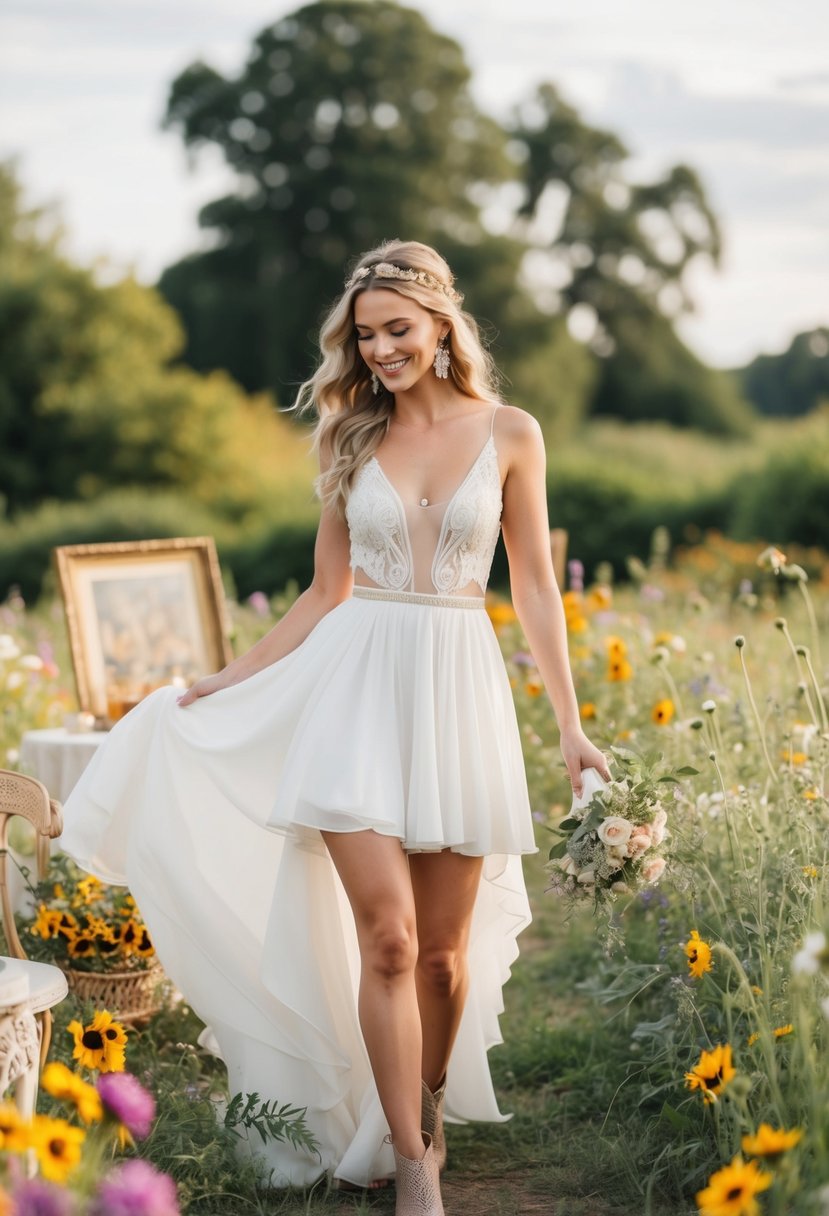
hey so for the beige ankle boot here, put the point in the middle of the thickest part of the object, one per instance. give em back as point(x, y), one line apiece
point(431, 1120)
point(418, 1184)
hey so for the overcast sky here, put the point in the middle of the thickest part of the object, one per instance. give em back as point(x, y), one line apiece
point(739, 91)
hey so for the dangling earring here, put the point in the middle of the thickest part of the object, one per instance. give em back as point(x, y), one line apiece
point(375, 384)
point(442, 360)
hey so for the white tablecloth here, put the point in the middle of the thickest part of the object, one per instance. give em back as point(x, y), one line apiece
point(57, 758)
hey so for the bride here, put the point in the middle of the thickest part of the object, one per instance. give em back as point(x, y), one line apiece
point(325, 837)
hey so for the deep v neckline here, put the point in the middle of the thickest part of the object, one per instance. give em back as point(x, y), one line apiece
point(447, 503)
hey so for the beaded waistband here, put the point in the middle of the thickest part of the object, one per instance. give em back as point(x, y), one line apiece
point(415, 597)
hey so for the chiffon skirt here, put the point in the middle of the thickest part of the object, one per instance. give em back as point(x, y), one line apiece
point(394, 714)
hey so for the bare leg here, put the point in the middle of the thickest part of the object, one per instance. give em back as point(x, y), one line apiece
point(445, 885)
point(375, 873)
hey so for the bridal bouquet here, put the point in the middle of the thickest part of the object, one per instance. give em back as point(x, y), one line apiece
point(613, 840)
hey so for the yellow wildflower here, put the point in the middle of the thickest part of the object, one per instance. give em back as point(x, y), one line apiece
point(599, 598)
point(616, 647)
point(662, 712)
point(619, 669)
point(62, 1083)
point(14, 1132)
point(712, 1073)
point(588, 710)
point(770, 1141)
point(780, 1031)
point(810, 871)
point(533, 688)
point(698, 953)
point(731, 1190)
point(753, 1037)
point(57, 1145)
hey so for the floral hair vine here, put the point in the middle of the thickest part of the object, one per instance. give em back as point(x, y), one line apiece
point(388, 270)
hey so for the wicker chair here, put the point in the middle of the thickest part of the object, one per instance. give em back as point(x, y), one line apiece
point(28, 990)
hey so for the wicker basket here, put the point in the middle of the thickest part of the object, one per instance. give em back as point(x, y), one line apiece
point(130, 996)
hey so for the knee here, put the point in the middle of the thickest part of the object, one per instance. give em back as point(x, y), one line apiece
point(391, 950)
point(442, 968)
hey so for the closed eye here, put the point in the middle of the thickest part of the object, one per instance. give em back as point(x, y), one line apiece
point(395, 333)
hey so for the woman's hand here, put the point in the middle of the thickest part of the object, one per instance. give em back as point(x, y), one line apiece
point(580, 753)
point(202, 688)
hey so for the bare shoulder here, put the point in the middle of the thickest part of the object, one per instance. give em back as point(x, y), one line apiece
point(518, 433)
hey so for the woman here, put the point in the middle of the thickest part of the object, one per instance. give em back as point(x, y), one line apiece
point(350, 959)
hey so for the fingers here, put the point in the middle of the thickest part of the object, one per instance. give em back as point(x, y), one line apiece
point(576, 780)
point(187, 698)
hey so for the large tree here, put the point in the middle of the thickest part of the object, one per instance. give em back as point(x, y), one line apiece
point(349, 123)
point(794, 382)
point(615, 252)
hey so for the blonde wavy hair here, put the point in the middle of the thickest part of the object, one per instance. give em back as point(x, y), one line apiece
point(352, 419)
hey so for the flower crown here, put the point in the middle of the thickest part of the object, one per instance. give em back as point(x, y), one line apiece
point(387, 270)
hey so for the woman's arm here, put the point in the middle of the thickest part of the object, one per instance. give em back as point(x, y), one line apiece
point(535, 594)
point(331, 585)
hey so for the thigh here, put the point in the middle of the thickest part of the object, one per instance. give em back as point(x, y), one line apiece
point(374, 871)
point(445, 886)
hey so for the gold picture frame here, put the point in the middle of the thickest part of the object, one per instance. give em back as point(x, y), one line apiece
point(141, 614)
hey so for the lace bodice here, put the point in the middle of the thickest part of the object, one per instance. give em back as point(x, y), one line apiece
point(438, 549)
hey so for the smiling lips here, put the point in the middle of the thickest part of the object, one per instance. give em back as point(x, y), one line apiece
point(390, 369)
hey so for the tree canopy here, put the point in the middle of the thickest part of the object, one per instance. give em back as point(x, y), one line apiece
point(353, 122)
point(88, 397)
point(794, 382)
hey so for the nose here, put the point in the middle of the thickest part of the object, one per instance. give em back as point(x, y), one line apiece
point(383, 347)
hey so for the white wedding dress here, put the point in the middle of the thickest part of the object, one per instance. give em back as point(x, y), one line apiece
point(395, 714)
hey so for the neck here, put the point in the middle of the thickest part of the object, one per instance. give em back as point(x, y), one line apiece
point(423, 405)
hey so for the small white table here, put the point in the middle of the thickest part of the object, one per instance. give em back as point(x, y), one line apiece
point(58, 757)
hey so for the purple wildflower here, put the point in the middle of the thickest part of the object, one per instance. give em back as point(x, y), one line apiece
point(36, 1198)
point(258, 601)
point(652, 594)
point(575, 571)
point(522, 658)
point(126, 1098)
point(136, 1188)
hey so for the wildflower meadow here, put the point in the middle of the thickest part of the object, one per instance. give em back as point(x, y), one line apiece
point(667, 1023)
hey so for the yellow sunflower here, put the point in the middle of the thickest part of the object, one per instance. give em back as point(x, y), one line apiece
point(144, 946)
point(588, 710)
point(662, 712)
point(618, 670)
point(57, 1145)
point(780, 1031)
point(14, 1132)
point(62, 1083)
point(100, 1044)
point(80, 945)
point(698, 953)
point(771, 1141)
point(731, 1190)
point(533, 688)
point(616, 647)
point(46, 923)
point(712, 1073)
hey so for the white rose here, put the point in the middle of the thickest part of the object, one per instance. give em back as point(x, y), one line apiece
point(615, 831)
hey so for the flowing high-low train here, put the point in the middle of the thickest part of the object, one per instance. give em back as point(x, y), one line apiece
point(395, 714)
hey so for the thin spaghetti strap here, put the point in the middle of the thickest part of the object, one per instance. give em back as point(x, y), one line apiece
point(492, 423)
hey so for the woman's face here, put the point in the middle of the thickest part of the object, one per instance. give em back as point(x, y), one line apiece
point(396, 337)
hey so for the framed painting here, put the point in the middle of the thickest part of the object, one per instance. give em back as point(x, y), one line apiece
point(141, 614)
